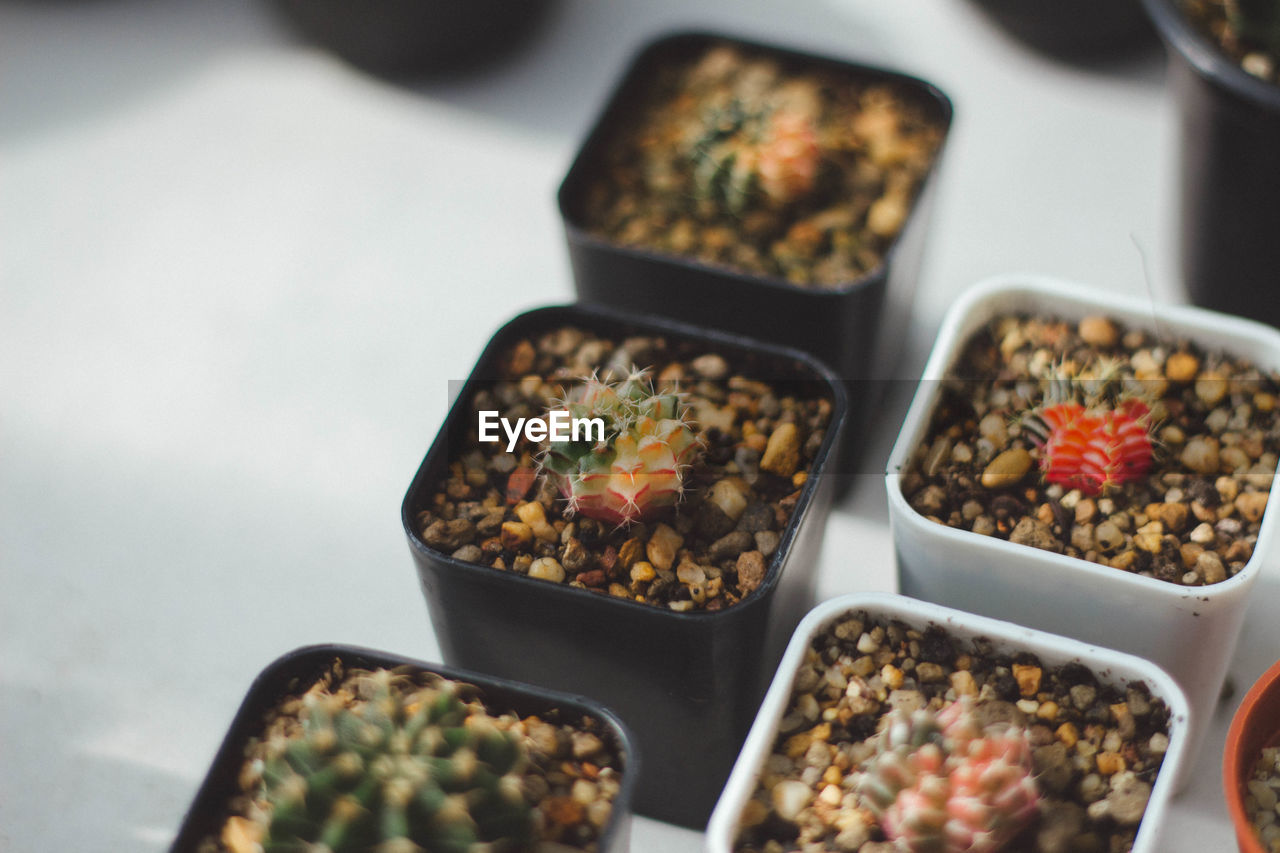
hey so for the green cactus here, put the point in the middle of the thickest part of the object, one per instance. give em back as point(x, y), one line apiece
point(743, 153)
point(1256, 22)
point(637, 466)
point(408, 768)
point(942, 784)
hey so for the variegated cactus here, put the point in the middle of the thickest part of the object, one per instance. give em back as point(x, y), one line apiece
point(636, 465)
point(944, 784)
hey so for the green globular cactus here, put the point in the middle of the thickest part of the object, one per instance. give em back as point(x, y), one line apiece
point(1256, 22)
point(632, 468)
point(743, 153)
point(942, 784)
point(409, 768)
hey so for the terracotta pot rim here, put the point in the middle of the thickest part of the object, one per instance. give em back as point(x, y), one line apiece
point(1232, 769)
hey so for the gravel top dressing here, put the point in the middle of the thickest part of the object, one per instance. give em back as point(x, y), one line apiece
point(895, 736)
point(1254, 46)
point(402, 757)
point(1104, 443)
point(1261, 801)
point(769, 166)
point(710, 549)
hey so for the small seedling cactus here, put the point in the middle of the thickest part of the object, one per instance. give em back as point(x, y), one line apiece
point(1256, 22)
point(1096, 445)
point(744, 152)
point(409, 768)
point(941, 783)
point(639, 464)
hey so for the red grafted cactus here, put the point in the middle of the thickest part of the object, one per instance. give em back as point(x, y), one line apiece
point(941, 783)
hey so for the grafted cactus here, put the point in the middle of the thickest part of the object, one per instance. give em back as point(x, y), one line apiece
point(636, 465)
point(405, 768)
point(1092, 437)
point(744, 151)
point(942, 784)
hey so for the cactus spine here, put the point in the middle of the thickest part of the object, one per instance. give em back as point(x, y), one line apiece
point(406, 768)
point(940, 783)
point(637, 466)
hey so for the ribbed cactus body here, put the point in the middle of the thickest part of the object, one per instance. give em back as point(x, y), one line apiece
point(942, 784)
point(405, 769)
point(747, 151)
point(639, 465)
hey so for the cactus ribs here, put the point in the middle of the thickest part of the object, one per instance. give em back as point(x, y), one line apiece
point(404, 760)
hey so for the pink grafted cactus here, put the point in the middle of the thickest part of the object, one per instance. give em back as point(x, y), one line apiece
point(942, 784)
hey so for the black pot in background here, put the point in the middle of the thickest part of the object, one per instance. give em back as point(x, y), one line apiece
point(1073, 29)
point(1229, 174)
point(406, 37)
point(293, 673)
point(857, 328)
point(686, 684)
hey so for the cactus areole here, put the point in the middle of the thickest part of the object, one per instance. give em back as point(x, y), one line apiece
point(942, 783)
point(639, 466)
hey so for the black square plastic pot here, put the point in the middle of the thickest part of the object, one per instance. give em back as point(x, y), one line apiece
point(857, 327)
point(1076, 30)
point(398, 38)
point(1229, 173)
point(291, 675)
point(686, 684)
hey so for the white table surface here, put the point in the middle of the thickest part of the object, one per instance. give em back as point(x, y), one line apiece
point(236, 278)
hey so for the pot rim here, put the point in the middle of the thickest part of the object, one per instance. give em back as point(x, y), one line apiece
point(1116, 666)
point(1209, 60)
point(241, 725)
point(1234, 769)
point(587, 312)
point(599, 130)
point(958, 324)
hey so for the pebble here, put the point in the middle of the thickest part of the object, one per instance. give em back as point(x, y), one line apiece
point(1251, 505)
point(1098, 331)
point(992, 427)
point(782, 454)
point(662, 547)
point(449, 535)
point(1201, 455)
point(1202, 534)
point(730, 545)
point(1149, 537)
point(767, 542)
point(1037, 534)
point(1181, 367)
point(751, 570)
point(1210, 388)
point(1209, 567)
point(729, 497)
point(1007, 469)
point(1127, 800)
point(547, 569)
point(710, 366)
point(789, 798)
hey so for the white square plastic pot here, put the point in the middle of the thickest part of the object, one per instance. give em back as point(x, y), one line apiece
point(1108, 666)
point(1189, 631)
